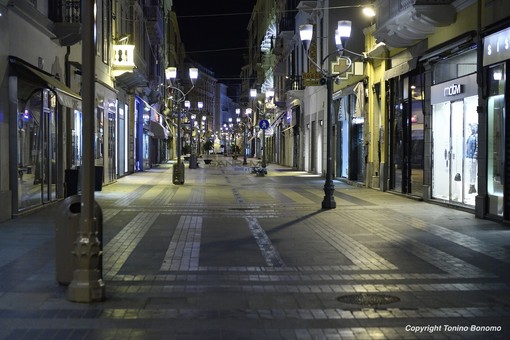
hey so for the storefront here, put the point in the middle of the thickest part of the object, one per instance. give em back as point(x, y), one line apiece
point(406, 134)
point(455, 141)
point(38, 102)
point(106, 132)
point(350, 151)
point(122, 144)
point(159, 140)
point(141, 135)
point(496, 58)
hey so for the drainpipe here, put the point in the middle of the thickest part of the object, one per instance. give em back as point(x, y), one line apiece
point(68, 127)
point(481, 199)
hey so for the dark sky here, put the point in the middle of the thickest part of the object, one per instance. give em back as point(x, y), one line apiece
point(208, 26)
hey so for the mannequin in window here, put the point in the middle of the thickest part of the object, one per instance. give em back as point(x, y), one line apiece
point(472, 156)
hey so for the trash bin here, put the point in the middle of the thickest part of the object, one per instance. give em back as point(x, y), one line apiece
point(178, 173)
point(67, 227)
point(99, 171)
point(71, 178)
point(193, 162)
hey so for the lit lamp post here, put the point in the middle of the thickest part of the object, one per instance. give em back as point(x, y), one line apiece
point(200, 106)
point(231, 127)
point(245, 129)
point(192, 155)
point(171, 74)
point(236, 129)
point(342, 33)
point(269, 97)
point(87, 284)
point(203, 132)
point(253, 95)
point(225, 131)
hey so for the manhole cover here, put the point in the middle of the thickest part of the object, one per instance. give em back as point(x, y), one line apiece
point(368, 299)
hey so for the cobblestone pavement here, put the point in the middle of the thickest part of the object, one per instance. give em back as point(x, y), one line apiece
point(229, 255)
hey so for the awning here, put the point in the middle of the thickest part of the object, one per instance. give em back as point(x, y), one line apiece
point(400, 69)
point(344, 92)
point(158, 130)
point(65, 95)
point(130, 80)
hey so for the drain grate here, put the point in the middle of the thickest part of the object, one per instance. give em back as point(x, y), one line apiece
point(368, 299)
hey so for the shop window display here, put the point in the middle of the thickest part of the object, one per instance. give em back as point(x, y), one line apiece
point(455, 150)
point(495, 145)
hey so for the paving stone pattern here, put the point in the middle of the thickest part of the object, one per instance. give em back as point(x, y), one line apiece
point(231, 255)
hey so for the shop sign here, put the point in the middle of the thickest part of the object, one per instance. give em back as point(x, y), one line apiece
point(496, 47)
point(453, 90)
point(457, 89)
point(312, 78)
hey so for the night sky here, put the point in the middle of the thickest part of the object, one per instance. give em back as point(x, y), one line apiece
point(207, 26)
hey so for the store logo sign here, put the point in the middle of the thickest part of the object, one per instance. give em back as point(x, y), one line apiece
point(453, 90)
point(496, 47)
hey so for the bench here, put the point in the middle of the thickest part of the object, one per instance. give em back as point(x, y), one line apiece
point(24, 169)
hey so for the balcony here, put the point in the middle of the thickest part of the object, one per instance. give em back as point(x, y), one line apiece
point(401, 23)
point(66, 16)
point(123, 59)
point(294, 83)
point(286, 24)
point(154, 23)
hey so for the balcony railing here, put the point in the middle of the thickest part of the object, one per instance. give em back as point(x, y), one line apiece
point(400, 23)
point(66, 16)
point(65, 11)
point(123, 59)
point(294, 83)
point(154, 23)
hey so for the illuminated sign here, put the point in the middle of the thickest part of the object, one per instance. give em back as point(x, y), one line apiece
point(453, 90)
point(312, 78)
point(496, 47)
point(457, 89)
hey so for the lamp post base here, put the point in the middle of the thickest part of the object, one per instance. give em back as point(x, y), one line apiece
point(328, 203)
point(329, 198)
point(87, 287)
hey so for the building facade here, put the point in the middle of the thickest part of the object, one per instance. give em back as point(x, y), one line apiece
point(41, 129)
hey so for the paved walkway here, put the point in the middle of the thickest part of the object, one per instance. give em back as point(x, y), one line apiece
point(229, 255)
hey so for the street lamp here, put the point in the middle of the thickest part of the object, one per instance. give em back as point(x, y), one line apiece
point(193, 156)
point(171, 75)
point(342, 33)
point(200, 106)
point(87, 284)
point(225, 132)
point(253, 96)
point(269, 97)
point(247, 120)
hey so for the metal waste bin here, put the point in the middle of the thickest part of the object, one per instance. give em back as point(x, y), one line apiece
point(193, 161)
point(178, 173)
point(99, 174)
point(71, 179)
point(67, 228)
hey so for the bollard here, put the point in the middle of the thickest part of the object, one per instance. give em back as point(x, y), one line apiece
point(66, 231)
